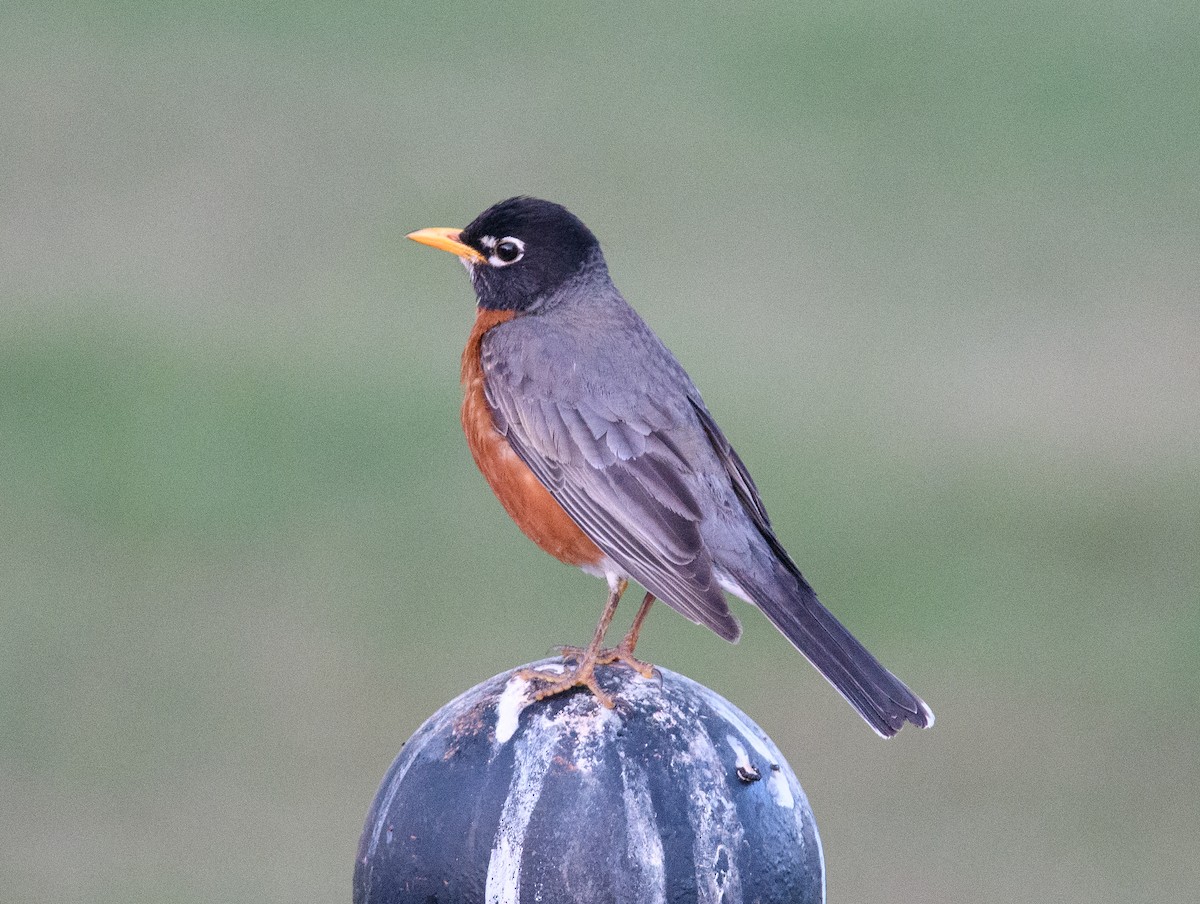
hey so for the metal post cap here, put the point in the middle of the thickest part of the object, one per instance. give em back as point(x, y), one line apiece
point(674, 795)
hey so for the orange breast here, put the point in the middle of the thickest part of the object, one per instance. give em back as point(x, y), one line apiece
point(527, 502)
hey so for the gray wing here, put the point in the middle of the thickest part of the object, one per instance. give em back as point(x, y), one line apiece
point(622, 477)
point(740, 479)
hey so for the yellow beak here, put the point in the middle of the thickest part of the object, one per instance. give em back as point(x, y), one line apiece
point(447, 240)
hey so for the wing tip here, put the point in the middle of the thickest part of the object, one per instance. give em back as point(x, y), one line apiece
point(888, 724)
point(930, 718)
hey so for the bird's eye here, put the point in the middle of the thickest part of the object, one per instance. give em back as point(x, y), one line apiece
point(507, 251)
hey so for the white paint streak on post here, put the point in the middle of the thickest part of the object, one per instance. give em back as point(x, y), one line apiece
point(534, 751)
point(804, 820)
point(741, 759)
point(644, 843)
point(713, 817)
point(508, 708)
point(777, 783)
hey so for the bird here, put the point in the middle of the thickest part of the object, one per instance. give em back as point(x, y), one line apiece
point(599, 446)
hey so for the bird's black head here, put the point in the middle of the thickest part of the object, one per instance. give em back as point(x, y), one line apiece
point(520, 252)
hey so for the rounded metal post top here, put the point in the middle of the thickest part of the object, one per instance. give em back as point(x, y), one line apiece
point(673, 795)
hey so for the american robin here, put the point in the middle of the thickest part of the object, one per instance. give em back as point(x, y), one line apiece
point(600, 448)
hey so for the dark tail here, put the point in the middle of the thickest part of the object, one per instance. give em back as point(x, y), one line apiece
point(774, 584)
point(879, 696)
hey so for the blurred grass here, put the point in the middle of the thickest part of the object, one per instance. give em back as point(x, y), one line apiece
point(935, 270)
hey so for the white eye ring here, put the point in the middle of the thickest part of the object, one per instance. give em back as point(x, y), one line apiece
point(507, 250)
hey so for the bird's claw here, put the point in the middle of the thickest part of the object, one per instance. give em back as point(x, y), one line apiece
point(621, 653)
point(583, 675)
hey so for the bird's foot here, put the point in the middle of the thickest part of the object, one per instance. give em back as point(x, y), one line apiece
point(622, 653)
point(582, 675)
point(587, 658)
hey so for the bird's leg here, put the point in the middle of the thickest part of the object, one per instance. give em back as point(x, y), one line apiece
point(606, 617)
point(623, 652)
point(586, 660)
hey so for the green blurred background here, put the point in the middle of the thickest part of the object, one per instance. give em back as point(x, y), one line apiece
point(934, 266)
